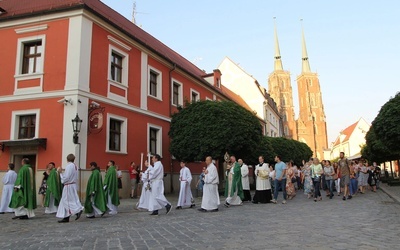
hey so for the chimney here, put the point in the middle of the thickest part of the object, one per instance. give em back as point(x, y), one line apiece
point(217, 78)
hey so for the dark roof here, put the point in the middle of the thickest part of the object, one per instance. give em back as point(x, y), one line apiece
point(22, 8)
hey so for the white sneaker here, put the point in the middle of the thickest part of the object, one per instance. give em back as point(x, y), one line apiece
point(274, 201)
point(284, 202)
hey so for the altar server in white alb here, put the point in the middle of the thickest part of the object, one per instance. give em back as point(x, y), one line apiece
point(8, 186)
point(210, 199)
point(185, 193)
point(245, 180)
point(69, 204)
point(144, 200)
point(156, 177)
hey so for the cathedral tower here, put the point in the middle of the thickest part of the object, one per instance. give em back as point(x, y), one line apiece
point(280, 89)
point(311, 124)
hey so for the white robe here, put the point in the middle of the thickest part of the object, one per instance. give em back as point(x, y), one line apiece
point(262, 183)
point(8, 186)
point(157, 199)
point(69, 204)
point(210, 199)
point(145, 195)
point(245, 177)
point(185, 193)
point(51, 209)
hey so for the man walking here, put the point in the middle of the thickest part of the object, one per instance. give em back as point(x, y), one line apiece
point(53, 191)
point(233, 187)
point(111, 188)
point(69, 204)
point(95, 203)
point(280, 179)
point(210, 199)
point(8, 186)
point(157, 198)
point(185, 193)
point(23, 199)
point(245, 180)
point(344, 170)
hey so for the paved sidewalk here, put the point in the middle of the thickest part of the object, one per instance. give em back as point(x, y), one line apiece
point(392, 191)
point(368, 221)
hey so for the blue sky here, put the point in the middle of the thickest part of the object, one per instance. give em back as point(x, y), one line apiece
point(354, 46)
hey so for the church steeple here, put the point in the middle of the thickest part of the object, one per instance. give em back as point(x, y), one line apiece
point(278, 61)
point(305, 63)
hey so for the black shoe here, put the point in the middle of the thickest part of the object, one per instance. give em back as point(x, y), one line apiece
point(65, 220)
point(178, 207)
point(214, 210)
point(24, 217)
point(349, 197)
point(254, 202)
point(344, 198)
point(15, 217)
point(227, 204)
point(155, 212)
point(202, 210)
point(192, 206)
point(103, 213)
point(168, 207)
point(90, 217)
point(78, 215)
point(1, 212)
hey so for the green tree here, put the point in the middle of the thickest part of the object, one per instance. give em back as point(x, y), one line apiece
point(212, 128)
point(376, 150)
point(289, 149)
point(386, 125)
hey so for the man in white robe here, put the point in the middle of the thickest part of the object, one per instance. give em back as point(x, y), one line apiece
point(69, 204)
point(210, 199)
point(156, 177)
point(185, 193)
point(8, 186)
point(245, 180)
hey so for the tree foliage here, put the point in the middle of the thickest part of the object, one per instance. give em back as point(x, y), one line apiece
point(386, 125)
point(212, 128)
point(289, 149)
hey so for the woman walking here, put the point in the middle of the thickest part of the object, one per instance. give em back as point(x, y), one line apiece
point(290, 180)
point(306, 179)
point(316, 172)
point(329, 172)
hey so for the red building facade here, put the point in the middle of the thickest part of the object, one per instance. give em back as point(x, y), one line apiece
point(60, 59)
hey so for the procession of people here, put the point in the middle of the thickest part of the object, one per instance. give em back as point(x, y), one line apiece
point(345, 177)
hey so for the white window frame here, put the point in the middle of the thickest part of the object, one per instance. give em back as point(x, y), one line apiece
point(159, 137)
point(191, 95)
point(124, 133)
point(15, 122)
point(180, 97)
point(18, 66)
point(159, 83)
point(208, 99)
point(125, 65)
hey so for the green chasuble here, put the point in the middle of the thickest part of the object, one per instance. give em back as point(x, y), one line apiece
point(26, 195)
point(95, 189)
point(53, 187)
point(111, 183)
point(236, 182)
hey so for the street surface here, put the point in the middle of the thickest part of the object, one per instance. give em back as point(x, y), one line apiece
point(368, 221)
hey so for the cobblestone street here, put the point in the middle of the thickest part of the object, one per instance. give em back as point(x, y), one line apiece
point(368, 221)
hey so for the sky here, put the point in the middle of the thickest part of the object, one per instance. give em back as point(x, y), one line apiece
point(354, 46)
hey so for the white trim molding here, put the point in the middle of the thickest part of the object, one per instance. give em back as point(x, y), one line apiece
point(119, 43)
point(191, 95)
point(31, 29)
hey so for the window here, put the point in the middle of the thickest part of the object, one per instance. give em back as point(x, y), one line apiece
point(27, 125)
point(154, 139)
point(194, 96)
point(32, 61)
point(116, 134)
point(116, 67)
point(153, 83)
point(177, 97)
point(114, 142)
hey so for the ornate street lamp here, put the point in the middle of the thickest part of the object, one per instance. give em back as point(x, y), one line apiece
point(76, 126)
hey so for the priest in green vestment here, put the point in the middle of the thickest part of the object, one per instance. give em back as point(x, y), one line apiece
point(111, 188)
point(233, 187)
point(54, 190)
point(96, 202)
point(23, 199)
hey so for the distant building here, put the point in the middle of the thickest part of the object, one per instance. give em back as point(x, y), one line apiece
point(256, 97)
point(350, 140)
point(310, 127)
